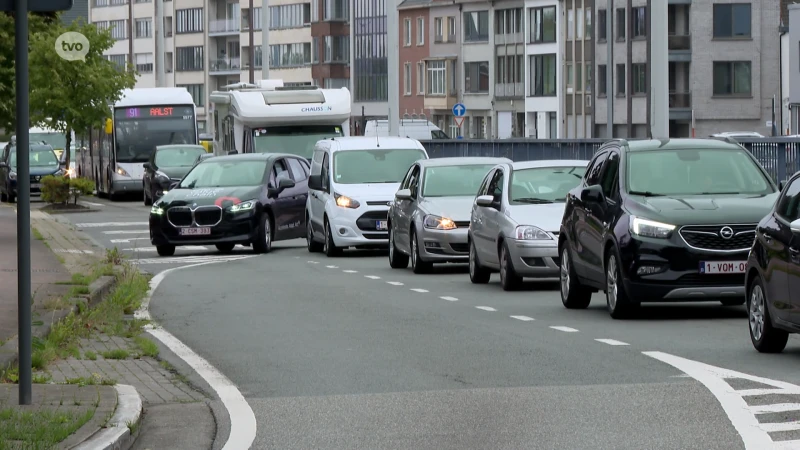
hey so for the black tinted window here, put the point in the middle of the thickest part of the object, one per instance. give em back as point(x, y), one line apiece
point(593, 174)
point(609, 176)
point(789, 205)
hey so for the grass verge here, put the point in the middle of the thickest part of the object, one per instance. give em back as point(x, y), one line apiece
point(41, 429)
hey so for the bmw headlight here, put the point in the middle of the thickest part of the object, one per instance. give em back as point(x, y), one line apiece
point(344, 201)
point(531, 233)
point(121, 171)
point(650, 228)
point(243, 206)
point(12, 175)
point(71, 172)
point(157, 210)
point(438, 223)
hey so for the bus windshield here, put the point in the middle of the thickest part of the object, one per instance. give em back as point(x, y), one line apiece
point(138, 131)
point(298, 140)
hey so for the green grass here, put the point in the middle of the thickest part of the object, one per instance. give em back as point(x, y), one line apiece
point(90, 355)
point(146, 346)
point(42, 429)
point(117, 353)
point(36, 234)
point(98, 271)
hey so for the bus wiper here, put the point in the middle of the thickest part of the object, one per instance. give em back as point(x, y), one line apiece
point(533, 200)
point(645, 194)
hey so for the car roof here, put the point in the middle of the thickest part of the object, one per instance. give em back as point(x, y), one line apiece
point(346, 143)
point(549, 163)
point(462, 161)
point(252, 157)
point(681, 144)
point(164, 147)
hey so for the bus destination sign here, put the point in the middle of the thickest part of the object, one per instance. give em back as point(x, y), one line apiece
point(156, 111)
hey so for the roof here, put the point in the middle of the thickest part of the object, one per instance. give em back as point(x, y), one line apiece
point(549, 163)
point(374, 143)
point(462, 161)
point(160, 147)
point(680, 144)
point(154, 96)
point(413, 4)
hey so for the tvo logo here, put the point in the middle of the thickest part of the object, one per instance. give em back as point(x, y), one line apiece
point(316, 109)
point(72, 46)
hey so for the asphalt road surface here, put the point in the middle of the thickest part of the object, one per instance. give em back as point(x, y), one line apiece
point(348, 353)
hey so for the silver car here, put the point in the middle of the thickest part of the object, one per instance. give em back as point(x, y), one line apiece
point(515, 220)
point(429, 217)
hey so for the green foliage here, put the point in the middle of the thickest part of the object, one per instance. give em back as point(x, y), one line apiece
point(80, 186)
point(55, 189)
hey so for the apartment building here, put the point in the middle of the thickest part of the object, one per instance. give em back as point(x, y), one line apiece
point(415, 47)
point(543, 54)
point(724, 66)
point(80, 10)
point(330, 41)
point(369, 70)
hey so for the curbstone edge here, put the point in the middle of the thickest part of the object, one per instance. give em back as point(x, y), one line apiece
point(118, 435)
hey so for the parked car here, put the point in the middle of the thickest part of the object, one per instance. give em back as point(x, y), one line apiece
point(515, 220)
point(43, 162)
point(252, 199)
point(429, 216)
point(773, 273)
point(661, 221)
point(167, 165)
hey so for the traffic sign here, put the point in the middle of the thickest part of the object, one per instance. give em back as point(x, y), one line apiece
point(459, 110)
point(459, 121)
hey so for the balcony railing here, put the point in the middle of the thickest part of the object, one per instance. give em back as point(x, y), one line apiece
point(679, 42)
point(507, 90)
point(224, 65)
point(680, 100)
point(224, 26)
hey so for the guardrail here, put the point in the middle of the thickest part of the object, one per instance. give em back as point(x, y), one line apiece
point(779, 156)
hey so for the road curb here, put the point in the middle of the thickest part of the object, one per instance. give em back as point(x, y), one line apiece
point(118, 434)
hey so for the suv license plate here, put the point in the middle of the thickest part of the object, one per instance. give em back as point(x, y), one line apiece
point(714, 267)
point(194, 231)
point(382, 225)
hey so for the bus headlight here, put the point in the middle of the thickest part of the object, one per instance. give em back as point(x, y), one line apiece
point(121, 171)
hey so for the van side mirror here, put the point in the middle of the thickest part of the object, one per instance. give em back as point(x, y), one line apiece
point(315, 182)
point(485, 201)
point(592, 194)
point(285, 183)
point(403, 194)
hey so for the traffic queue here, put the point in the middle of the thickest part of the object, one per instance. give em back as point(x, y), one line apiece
point(668, 220)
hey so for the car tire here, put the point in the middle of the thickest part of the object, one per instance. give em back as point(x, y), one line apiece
point(619, 303)
point(765, 337)
point(397, 259)
point(225, 248)
point(263, 241)
point(574, 295)
point(733, 302)
point(312, 245)
point(329, 247)
point(509, 279)
point(418, 265)
point(477, 274)
point(165, 250)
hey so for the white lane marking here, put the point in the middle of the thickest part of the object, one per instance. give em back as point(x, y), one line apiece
point(73, 250)
point(786, 426)
point(313, 262)
point(190, 259)
point(449, 299)
point(127, 232)
point(110, 224)
point(332, 267)
point(611, 342)
point(742, 416)
point(92, 203)
point(395, 283)
point(350, 271)
point(523, 318)
point(119, 241)
point(153, 249)
point(372, 277)
point(749, 392)
point(421, 291)
point(243, 421)
point(486, 308)
point(565, 329)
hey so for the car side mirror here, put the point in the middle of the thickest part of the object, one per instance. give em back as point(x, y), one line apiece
point(147, 166)
point(174, 185)
point(795, 226)
point(315, 182)
point(403, 194)
point(485, 201)
point(285, 183)
point(592, 194)
point(782, 185)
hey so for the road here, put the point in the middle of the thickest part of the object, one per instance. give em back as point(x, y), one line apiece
point(348, 353)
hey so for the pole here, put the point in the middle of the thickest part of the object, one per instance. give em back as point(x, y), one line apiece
point(160, 50)
point(265, 40)
point(659, 71)
point(393, 54)
point(130, 34)
point(774, 127)
point(610, 70)
point(252, 63)
point(23, 203)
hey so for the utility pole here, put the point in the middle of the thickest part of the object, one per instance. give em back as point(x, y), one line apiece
point(659, 70)
point(252, 45)
point(393, 66)
point(160, 50)
point(265, 39)
point(130, 34)
point(610, 70)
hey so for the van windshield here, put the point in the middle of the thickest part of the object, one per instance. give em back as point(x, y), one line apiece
point(373, 166)
point(295, 139)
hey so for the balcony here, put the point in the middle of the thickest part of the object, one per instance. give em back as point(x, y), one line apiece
point(680, 47)
point(680, 105)
point(511, 38)
point(440, 102)
point(224, 66)
point(509, 90)
point(223, 27)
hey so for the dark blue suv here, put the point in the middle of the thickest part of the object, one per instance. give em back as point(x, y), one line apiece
point(43, 162)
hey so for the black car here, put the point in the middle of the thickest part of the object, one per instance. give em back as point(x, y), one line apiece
point(250, 199)
point(167, 165)
point(662, 221)
point(773, 273)
point(43, 162)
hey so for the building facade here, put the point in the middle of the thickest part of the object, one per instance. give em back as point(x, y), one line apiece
point(544, 56)
point(414, 50)
point(369, 73)
point(80, 10)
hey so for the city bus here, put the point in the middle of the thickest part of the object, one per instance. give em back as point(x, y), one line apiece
point(142, 119)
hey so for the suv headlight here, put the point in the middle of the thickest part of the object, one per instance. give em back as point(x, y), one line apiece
point(650, 228)
point(344, 201)
point(243, 206)
point(531, 233)
point(438, 223)
point(157, 210)
point(121, 171)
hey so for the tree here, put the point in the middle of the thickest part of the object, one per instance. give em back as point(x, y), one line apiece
point(76, 94)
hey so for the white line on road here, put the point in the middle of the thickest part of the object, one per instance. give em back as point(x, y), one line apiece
point(92, 203)
point(72, 250)
point(313, 262)
point(243, 421)
point(785, 426)
point(153, 249)
point(332, 267)
point(486, 308)
point(749, 392)
point(421, 291)
point(449, 299)
point(190, 259)
point(350, 271)
point(786, 445)
point(372, 277)
point(395, 283)
point(565, 329)
point(119, 241)
point(611, 342)
point(523, 318)
point(127, 232)
point(110, 224)
point(779, 407)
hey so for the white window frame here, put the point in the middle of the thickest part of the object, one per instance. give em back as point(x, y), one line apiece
point(407, 78)
point(407, 33)
point(438, 29)
point(437, 77)
point(420, 31)
point(421, 78)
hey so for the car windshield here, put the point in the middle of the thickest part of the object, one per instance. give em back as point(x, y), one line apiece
point(454, 181)
point(373, 166)
point(55, 139)
point(178, 156)
point(225, 174)
point(695, 172)
point(40, 157)
point(543, 184)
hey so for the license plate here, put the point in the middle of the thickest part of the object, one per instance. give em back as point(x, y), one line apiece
point(195, 231)
point(382, 225)
point(714, 267)
point(36, 186)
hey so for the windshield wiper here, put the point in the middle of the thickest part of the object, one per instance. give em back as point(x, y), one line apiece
point(645, 193)
point(533, 200)
point(719, 193)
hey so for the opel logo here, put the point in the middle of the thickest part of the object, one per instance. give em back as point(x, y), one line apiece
point(726, 232)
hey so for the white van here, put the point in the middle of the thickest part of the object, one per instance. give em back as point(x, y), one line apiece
point(421, 129)
point(353, 181)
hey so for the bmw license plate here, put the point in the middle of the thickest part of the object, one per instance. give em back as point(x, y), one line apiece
point(382, 225)
point(715, 267)
point(195, 231)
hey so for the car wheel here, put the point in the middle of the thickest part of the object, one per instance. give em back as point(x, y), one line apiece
point(573, 294)
point(417, 264)
point(477, 274)
point(765, 337)
point(397, 259)
point(165, 250)
point(225, 248)
point(329, 248)
point(312, 245)
point(263, 241)
point(619, 304)
point(509, 279)
point(732, 302)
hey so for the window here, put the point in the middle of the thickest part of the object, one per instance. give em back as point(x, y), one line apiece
point(509, 69)
point(336, 83)
point(289, 16)
point(733, 20)
point(407, 78)
point(290, 55)
point(189, 59)
point(621, 22)
point(451, 29)
point(542, 24)
point(589, 79)
point(476, 77)
point(548, 183)
point(144, 28)
point(421, 78)
point(495, 187)
point(639, 78)
point(225, 174)
point(376, 166)
point(299, 171)
point(407, 32)
point(588, 16)
point(315, 50)
point(609, 176)
point(789, 205)
point(438, 30)
point(119, 29)
point(454, 181)
point(543, 76)
point(177, 157)
point(476, 26)
point(337, 49)
point(592, 175)
point(602, 79)
point(314, 6)
point(189, 20)
point(732, 78)
point(508, 21)
point(198, 93)
point(256, 19)
point(144, 62)
point(621, 80)
point(420, 30)
point(336, 10)
point(119, 60)
point(638, 22)
point(437, 81)
point(571, 24)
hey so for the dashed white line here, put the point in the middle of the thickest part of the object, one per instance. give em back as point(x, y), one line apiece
point(421, 291)
point(127, 232)
point(372, 277)
point(110, 224)
point(486, 308)
point(332, 267)
point(523, 318)
point(395, 283)
point(449, 299)
point(779, 407)
point(565, 329)
point(313, 262)
point(749, 392)
point(611, 342)
point(785, 426)
point(120, 241)
point(350, 271)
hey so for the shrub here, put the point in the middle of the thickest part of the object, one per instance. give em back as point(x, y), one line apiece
point(80, 186)
point(55, 189)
